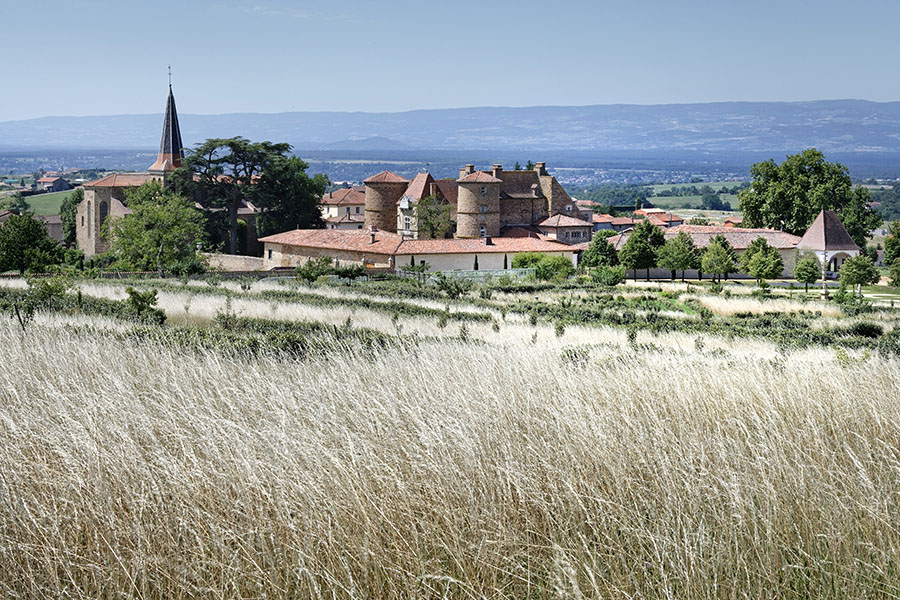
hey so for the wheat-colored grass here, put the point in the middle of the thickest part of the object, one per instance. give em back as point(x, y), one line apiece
point(445, 470)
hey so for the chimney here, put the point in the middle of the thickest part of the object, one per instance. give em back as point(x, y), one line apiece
point(330, 194)
point(488, 241)
point(496, 170)
point(372, 233)
point(540, 168)
point(470, 169)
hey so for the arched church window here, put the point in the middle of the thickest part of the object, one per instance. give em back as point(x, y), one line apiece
point(104, 212)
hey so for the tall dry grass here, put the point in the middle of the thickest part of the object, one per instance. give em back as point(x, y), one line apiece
point(447, 470)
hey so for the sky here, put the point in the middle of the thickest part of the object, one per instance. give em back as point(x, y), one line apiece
point(104, 57)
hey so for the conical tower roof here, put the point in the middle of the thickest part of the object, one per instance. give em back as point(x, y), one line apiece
point(170, 149)
point(827, 233)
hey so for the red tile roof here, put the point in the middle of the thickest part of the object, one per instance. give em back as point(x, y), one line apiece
point(351, 218)
point(665, 220)
point(739, 238)
point(48, 179)
point(345, 197)
point(600, 218)
point(827, 233)
point(386, 177)
point(122, 180)
point(560, 220)
point(479, 246)
point(391, 243)
point(386, 243)
point(478, 177)
point(418, 187)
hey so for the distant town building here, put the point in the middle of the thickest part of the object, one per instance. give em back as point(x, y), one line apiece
point(53, 184)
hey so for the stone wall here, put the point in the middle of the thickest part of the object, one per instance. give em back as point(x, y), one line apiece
point(381, 205)
point(469, 214)
point(283, 256)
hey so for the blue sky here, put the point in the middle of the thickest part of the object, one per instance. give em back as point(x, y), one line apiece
point(110, 57)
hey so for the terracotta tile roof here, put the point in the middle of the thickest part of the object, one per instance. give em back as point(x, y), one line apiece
point(599, 218)
point(418, 187)
point(623, 221)
point(735, 220)
point(665, 220)
point(390, 243)
point(122, 180)
point(351, 218)
point(560, 220)
point(517, 231)
point(48, 179)
point(386, 243)
point(479, 246)
point(449, 189)
point(479, 177)
point(345, 196)
point(739, 238)
point(386, 177)
point(827, 233)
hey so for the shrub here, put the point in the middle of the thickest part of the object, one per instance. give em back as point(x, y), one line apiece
point(314, 268)
point(609, 276)
point(866, 329)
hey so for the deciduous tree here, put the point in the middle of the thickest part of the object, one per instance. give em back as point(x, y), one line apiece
point(67, 213)
point(639, 251)
point(677, 254)
point(25, 245)
point(717, 260)
point(162, 232)
point(789, 195)
point(807, 271)
point(858, 271)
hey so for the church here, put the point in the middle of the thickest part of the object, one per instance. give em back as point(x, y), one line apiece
point(105, 198)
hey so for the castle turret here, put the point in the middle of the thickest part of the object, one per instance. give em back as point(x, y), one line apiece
point(383, 192)
point(478, 206)
point(170, 149)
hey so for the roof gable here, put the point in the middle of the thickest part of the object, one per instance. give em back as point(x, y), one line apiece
point(827, 233)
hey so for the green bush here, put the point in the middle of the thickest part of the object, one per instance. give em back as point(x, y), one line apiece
point(314, 268)
point(608, 276)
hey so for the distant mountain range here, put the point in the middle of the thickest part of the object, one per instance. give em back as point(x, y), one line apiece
point(856, 126)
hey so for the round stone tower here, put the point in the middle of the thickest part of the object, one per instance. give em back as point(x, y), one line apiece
point(383, 192)
point(478, 205)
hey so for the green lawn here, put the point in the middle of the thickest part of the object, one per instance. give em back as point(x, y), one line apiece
point(47, 204)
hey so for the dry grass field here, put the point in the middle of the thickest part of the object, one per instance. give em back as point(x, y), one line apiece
point(492, 468)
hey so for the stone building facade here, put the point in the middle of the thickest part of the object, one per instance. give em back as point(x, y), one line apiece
point(480, 203)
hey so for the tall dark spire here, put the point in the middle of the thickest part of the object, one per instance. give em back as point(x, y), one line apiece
point(170, 149)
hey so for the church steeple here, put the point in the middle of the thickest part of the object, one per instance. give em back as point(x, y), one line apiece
point(170, 149)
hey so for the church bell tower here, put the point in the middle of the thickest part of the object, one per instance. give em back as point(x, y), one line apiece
point(170, 149)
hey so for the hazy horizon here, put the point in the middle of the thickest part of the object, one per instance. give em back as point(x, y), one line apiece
point(104, 58)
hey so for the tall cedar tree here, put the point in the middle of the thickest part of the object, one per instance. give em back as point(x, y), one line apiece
point(222, 173)
point(789, 196)
point(288, 196)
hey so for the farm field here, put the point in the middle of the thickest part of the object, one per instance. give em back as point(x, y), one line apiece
point(676, 202)
point(47, 204)
point(382, 440)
